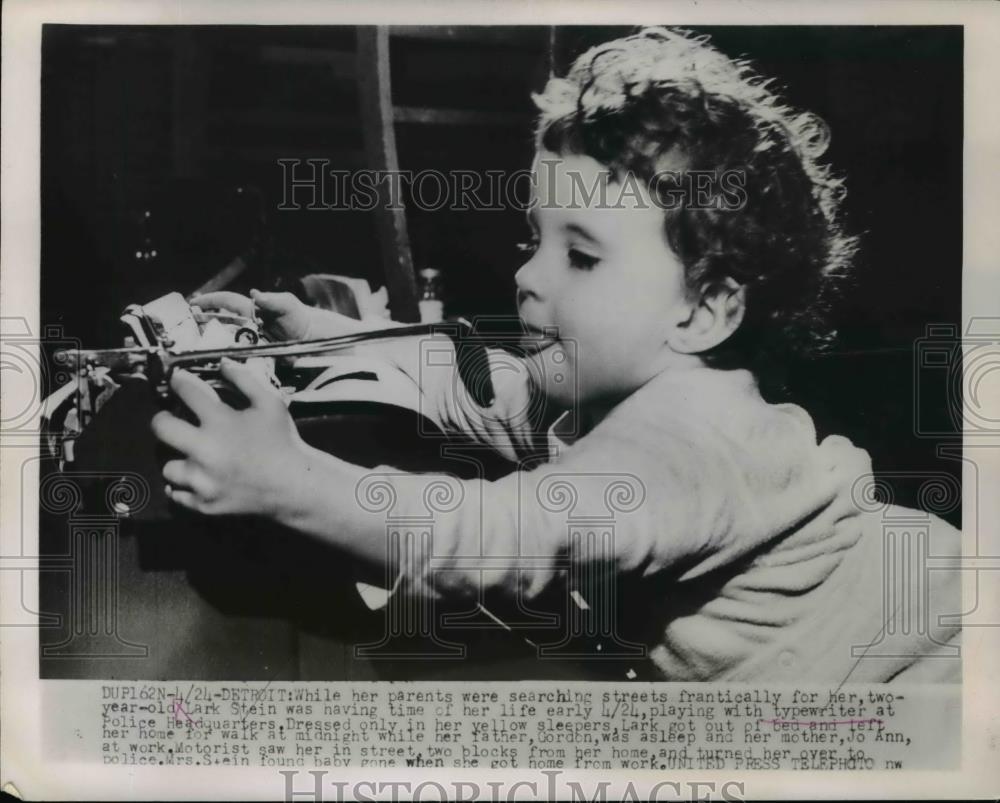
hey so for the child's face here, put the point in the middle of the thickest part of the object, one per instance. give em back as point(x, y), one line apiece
point(603, 278)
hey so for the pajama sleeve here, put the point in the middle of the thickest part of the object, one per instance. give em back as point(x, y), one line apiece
point(631, 500)
point(665, 481)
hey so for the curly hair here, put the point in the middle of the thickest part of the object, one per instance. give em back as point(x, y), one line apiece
point(637, 102)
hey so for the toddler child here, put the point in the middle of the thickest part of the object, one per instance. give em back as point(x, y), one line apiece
point(685, 236)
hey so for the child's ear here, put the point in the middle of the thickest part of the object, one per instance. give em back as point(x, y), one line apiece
point(713, 316)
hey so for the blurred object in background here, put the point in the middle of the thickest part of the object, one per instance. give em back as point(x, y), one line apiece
point(329, 292)
point(347, 295)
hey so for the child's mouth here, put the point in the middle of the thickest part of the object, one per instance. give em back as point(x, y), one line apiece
point(535, 339)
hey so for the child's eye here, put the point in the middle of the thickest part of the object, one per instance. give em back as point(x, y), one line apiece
point(529, 246)
point(582, 261)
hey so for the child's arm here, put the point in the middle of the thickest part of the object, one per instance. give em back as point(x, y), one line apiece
point(680, 503)
point(253, 462)
point(670, 501)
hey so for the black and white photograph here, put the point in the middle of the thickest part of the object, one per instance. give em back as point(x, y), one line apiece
point(501, 397)
point(205, 185)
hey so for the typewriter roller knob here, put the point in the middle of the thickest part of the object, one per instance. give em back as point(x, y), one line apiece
point(246, 336)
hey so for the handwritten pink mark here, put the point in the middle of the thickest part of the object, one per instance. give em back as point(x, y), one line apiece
point(813, 722)
point(177, 707)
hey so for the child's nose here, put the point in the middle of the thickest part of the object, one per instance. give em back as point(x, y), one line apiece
point(528, 280)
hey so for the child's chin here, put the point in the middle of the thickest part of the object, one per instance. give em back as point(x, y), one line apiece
point(559, 394)
point(553, 374)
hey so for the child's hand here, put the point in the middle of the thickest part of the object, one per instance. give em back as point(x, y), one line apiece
point(283, 315)
point(234, 461)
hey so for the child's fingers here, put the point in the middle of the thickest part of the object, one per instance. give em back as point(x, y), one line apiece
point(224, 300)
point(188, 484)
point(175, 432)
point(844, 457)
point(246, 382)
point(197, 394)
point(274, 303)
point(179, 475)
point(184, 498)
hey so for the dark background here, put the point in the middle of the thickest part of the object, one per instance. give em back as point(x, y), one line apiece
point(187, 124)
